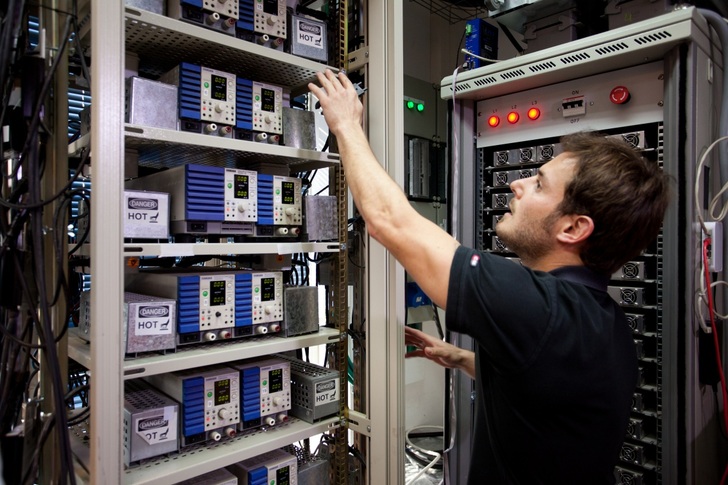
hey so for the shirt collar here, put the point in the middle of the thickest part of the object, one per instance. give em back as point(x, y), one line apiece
point(583, 276)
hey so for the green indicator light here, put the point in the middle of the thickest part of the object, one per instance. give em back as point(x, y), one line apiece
point(257, 98)
point(207, 85)
point(410, 104)
point(265, 383)
point(209, 394)
point(230, 186)
point(420, 107)
point(257, 289)
point(278, 191)
point(204, 293)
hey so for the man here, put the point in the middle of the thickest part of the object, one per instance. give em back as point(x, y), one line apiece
point(555, 364)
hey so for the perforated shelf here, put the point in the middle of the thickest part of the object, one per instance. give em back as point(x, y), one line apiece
point(203, 458)
point(159, 148)
point(191, 356)
point(161, 43)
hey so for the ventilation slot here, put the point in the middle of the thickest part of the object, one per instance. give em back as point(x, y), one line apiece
point(542, 67)
point(609, 49)
point(485, 81)
point(648, 39)
point(582, 56)
point(513, 74)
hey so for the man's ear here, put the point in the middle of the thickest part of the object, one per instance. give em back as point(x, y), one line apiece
point(574, 229)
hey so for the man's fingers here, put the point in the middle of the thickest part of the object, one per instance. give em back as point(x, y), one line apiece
point(344, 80)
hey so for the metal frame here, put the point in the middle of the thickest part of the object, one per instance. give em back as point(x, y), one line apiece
point(107, 146)
point(385, 315)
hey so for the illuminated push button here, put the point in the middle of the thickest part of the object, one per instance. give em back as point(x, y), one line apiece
point(619, 95)
point(493, 121)
point(534, 113)
point(513, 117)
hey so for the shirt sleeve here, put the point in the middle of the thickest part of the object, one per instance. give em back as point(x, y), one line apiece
point(504, 306)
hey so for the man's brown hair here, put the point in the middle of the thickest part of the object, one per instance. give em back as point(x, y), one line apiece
point(625, 195)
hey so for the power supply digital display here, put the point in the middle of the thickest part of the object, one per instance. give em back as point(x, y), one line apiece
point(270, 7)
point(217, 293)
point(288, 192)
point(275, 379)
point(219, 87)
point(268, 100)
point(267, 289)
point(241, 186)
point(222, 392)
point(283, 476)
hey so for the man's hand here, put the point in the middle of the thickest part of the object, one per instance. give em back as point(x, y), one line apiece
point(442, 353)
point(339, 101)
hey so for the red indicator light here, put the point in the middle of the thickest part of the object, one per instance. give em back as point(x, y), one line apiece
point(513, 117)
point(534, 113)
point(493, 121)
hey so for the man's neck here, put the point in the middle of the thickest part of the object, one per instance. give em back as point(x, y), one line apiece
point(554, 260)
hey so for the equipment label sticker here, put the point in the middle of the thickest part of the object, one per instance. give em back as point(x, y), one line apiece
point(153, 320)
point(158, 429)
point(327, 392)
point(310, 34)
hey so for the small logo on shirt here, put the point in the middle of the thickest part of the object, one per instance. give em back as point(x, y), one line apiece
point(474, 260)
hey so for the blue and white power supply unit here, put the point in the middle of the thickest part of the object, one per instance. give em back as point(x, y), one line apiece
point(265, 392)
point(280, 209)
point(207, 98)
point(215, 305)
point(207, 200)
point(219, 15)
point(210, 399)
point(259, 111)
point(263, 22)
point(275, 468)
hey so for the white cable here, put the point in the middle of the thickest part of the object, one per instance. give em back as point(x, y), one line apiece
point(465, 51)
point(436, 455)
point(696, 188)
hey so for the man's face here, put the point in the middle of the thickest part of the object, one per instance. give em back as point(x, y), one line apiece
point(528, 230)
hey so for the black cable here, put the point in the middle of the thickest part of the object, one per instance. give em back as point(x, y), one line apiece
point(460, 46)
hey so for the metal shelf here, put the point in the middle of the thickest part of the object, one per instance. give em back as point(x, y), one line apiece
point(218, 249)
point(161, 148)
point(198, 459)
point(188, 357)
point(161, 43)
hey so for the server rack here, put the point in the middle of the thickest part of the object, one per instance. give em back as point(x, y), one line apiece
point(667, 442)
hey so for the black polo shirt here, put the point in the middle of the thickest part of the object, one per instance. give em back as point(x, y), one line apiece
point(556, 368)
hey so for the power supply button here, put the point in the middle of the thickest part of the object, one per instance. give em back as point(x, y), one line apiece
point(619, 95)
